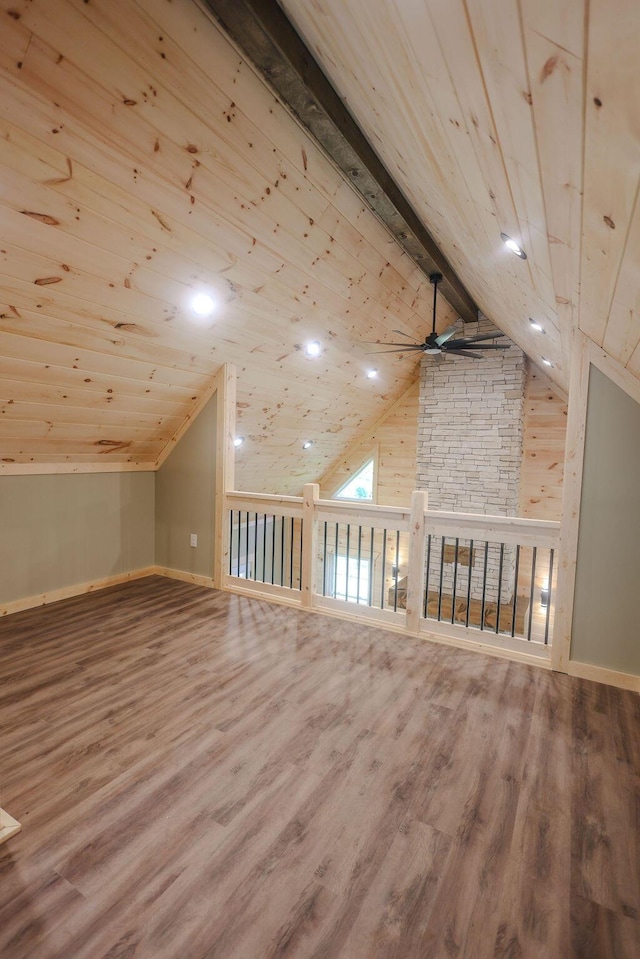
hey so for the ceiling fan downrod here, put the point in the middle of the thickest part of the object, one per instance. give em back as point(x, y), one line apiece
point(434, 278)
point(437, 343)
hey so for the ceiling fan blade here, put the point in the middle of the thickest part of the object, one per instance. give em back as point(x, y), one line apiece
point(406, 346)
point(474, 356)
point(488, 346)
point(402, 333)
point(483, 336)
point(404, 349)
point(448, 333)
point(466, 344)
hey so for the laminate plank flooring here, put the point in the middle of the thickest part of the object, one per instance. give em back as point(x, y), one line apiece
point(206, 776)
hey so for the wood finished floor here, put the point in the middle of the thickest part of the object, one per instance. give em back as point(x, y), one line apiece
point(204, 776)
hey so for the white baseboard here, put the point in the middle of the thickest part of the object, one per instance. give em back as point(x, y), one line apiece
point(599, 674)
point(66, 592)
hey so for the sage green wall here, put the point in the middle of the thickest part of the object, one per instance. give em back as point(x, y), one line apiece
point(60, 530)
point(185, 491)
point(605, 619)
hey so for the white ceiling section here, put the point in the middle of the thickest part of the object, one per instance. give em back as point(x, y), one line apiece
point(142, 159)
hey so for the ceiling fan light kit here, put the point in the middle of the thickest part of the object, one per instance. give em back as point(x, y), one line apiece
point(436, 344)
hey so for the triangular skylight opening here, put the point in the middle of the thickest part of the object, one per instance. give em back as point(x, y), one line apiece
point(360, 485)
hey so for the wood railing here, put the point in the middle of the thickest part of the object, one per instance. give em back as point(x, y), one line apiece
point(463, 577)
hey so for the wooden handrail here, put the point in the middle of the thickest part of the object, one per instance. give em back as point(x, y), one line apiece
point(511, 530)
point(273, 498)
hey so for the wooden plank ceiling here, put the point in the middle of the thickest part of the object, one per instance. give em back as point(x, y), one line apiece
point(507, 115)
point(143, 160)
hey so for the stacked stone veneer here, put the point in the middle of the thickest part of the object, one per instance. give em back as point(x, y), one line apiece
point(470, 449)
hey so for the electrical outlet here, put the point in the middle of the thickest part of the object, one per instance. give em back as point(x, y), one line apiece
point(193, 539)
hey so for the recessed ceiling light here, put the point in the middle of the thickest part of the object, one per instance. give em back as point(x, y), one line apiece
point(371, 374)
point(238, 441)
point(536, 326)
point(307, 444)
point(312, 349)
point(202, 304)
point(513, 246)
point(546, 361)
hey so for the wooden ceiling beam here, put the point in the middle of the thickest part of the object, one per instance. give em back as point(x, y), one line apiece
point(268, 38)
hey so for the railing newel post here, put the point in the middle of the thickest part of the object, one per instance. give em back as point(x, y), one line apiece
point(310, 497)
point(415, 573)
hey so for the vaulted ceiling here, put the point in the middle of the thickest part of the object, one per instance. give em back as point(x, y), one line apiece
point(508, 115)
point(142, 159)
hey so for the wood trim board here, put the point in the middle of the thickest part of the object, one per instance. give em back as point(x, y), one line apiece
point(225, 464)
point(519, 650)
point(188, 420)
point(8, 826)
point(66, 592)
point(586, 354)
point(599, 674)
point(184, 576)
point(571, 497)
point(616, 372)
point(42, 469)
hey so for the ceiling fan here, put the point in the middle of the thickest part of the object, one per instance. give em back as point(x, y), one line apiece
point(437, 343)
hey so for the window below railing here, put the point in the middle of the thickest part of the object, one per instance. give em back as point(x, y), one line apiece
point(359, 564)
